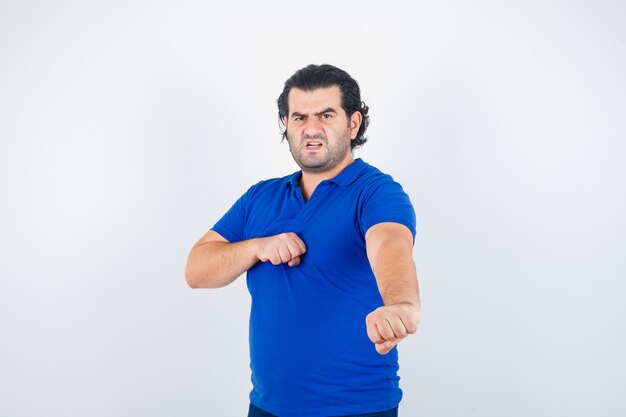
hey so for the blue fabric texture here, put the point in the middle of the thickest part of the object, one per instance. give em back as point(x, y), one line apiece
point(310, 354)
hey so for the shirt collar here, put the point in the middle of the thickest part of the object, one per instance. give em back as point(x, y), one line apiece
point(349, 173)
point(293, 179)
point(345, 177)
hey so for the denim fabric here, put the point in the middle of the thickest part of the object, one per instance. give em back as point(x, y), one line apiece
point(255, 411)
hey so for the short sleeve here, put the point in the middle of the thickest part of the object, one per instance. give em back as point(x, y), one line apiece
point(232, 225)
point(386, 201)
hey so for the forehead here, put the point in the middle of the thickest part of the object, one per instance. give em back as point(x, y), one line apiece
point(302, 101)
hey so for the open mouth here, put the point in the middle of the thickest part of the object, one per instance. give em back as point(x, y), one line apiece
point(314, 145)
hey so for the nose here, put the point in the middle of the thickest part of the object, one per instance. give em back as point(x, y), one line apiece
point(312, 128)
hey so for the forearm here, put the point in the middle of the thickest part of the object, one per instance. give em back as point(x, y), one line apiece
point(390, 252)
point(217, 264)
point(214, 262)
point(395, 274)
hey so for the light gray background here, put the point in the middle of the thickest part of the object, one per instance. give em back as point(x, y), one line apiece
point(128, 128)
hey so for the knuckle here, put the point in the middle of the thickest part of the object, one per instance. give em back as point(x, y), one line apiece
point(380, 348)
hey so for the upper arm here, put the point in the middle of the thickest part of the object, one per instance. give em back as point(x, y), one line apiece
point(395, 236)
point(232, 225)
point(384, 201)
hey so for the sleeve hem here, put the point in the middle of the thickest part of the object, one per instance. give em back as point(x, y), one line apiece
point(401, 221)
point(225, 234)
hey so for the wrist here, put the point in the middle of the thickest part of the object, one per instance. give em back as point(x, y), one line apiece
point(410, 304)
point(255, 248)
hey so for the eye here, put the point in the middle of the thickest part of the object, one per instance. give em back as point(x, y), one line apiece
point(297, 118)
point(327, 116)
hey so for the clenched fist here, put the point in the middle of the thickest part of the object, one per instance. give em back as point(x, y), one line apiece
point(280, 249)
point(388, 325)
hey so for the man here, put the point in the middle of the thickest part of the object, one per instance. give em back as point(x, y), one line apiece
point(328, 255)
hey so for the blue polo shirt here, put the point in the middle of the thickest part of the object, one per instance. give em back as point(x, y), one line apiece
point(310, 354)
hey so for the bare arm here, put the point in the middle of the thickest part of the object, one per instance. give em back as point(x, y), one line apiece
point(214, 262)
point(390, 252)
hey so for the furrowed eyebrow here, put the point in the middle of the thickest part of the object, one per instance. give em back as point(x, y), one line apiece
point(327, 110)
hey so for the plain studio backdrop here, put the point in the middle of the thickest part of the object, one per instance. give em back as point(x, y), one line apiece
point(128, 128)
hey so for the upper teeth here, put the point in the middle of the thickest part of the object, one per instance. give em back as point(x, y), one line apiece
point(314, 144)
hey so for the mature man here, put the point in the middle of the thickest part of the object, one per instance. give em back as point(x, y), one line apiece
point(328, 255)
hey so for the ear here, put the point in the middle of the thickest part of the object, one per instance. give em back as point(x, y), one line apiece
point(355, 123)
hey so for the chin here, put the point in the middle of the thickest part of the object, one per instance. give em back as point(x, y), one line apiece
point(320, 167)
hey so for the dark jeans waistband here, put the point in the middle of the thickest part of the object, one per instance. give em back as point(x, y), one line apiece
point(255, 411)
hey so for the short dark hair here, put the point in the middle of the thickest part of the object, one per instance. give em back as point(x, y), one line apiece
point(313, 77)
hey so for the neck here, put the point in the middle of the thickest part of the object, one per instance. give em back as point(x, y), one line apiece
point(310, 180)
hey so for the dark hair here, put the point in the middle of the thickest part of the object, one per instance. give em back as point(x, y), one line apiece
point(313, 77)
